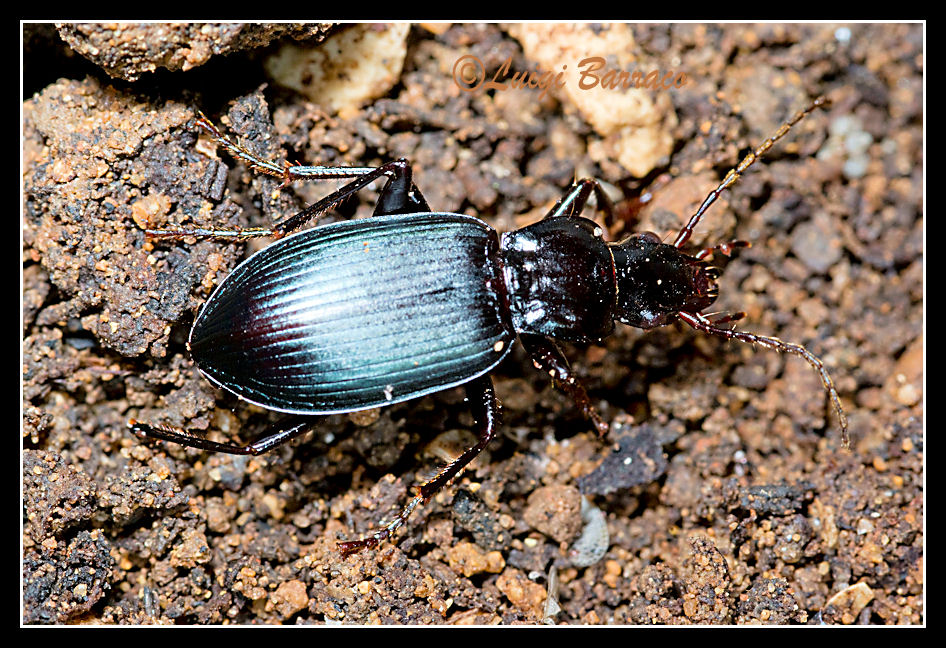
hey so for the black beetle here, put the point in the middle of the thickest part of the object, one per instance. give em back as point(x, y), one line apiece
point(370, 312)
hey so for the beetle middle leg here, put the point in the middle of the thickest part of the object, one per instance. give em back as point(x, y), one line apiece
point(482, 399)
point(547, 357)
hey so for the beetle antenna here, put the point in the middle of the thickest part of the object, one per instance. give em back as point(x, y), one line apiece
point(735, 173)
point(702, 323)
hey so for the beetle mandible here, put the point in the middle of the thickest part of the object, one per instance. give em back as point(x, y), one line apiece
point(358, 314)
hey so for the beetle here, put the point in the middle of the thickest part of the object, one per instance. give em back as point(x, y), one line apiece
point(358, 314)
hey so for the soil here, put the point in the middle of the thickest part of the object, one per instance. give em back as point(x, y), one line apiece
point(722, 494)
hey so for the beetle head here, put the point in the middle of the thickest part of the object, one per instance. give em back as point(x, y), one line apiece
point(656, 281)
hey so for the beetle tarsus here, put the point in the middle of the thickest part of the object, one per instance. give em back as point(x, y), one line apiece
point(350, 547)
point(213, 234)
point(241, 152)
point(399, 195)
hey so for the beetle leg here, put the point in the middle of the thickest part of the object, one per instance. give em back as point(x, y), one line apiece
point(573, 200)
point(285, 170)
point(546, 356)
point(394, 171)
point(486, 412)
point(241, 152)
point(400, 195)
point(281, 435)
point(365, 176)
point(724, 248)
point(702, 323)
point(722, 318)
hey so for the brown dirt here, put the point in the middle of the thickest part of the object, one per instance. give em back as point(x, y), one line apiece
point(728, 500)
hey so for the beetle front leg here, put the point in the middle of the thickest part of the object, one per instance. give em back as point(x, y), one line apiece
point(482, 399)
point(547, 357)
point(724, 248)
point(283, 434)
point(572, 202)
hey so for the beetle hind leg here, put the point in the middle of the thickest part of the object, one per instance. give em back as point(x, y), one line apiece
point(399, 195)
point(242, 153)
point(282, 433)
point(486, 412)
